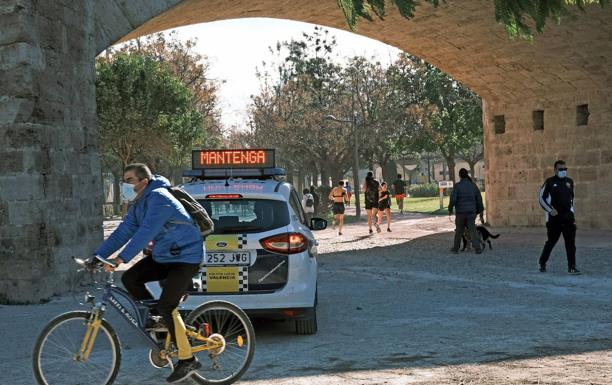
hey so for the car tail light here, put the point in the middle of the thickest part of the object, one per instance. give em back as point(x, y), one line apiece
point(288, 243)
point(223, 196)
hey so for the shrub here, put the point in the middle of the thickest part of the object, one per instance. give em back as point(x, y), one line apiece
point(425, 190)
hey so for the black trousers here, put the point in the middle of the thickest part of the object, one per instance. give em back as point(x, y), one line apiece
point(177, 278)
point(461, 222)
point(554, 228)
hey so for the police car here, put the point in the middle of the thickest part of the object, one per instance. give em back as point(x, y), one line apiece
point(262, 254)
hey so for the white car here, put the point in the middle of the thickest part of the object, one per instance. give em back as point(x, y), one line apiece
point(262, 254)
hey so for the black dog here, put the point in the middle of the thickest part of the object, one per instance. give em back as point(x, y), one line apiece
point(485, 236)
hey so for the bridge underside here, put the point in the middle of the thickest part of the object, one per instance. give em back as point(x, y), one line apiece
point(50, 185)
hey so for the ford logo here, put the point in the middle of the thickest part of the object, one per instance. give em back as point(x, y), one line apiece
point(221, 244)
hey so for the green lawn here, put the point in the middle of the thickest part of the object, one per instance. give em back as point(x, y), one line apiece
point(428, 205)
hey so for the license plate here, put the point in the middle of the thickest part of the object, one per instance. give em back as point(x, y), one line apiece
point(228, 258)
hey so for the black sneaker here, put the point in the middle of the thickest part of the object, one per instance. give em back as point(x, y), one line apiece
point(184, 369)
point(371, 231)
point(573, 271)
point(479, 251)
point(454, 251)
point(542, 268)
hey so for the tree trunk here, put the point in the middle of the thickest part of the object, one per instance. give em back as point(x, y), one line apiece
point(472, 169)
point(337, 176)
point(290, 175)
point(117, 194)
point(300, 186)
point(450, 162)
point(428, 168)
point(324, 175)
point(371, 165)
point(389, 170)
point(449, 157)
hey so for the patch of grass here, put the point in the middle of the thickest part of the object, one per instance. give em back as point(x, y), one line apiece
point(426, 205)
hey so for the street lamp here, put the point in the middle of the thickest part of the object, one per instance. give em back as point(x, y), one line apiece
point(355, 160)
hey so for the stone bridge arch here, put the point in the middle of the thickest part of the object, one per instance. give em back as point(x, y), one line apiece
point(50, 188)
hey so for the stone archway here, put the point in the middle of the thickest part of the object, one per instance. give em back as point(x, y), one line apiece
point(50, 188)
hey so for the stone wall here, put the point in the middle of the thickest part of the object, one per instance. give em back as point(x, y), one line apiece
point(50, 185)
point(521, 158)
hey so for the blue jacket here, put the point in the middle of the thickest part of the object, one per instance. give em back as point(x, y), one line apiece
point(466, 198)
point(156, 215)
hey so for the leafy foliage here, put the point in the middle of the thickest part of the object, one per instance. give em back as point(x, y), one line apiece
point(155, 103)
point(393, 112)
point(355, 9)
point(296, 91)
point(144, 112)
point(513, 14)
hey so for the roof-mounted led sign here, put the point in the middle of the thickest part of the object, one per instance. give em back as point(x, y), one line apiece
point(244, 158)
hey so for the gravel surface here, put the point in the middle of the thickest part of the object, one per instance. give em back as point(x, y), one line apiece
point(399, 308)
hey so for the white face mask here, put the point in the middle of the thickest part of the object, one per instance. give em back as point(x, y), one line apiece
point(561, 174)
point(127, 192)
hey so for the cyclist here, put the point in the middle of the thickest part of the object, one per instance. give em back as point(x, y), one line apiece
point(155, 215)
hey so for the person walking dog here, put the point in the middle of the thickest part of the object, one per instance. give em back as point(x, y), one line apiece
point(467, 202)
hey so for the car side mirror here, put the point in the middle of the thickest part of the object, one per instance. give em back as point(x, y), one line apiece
point(318, 224)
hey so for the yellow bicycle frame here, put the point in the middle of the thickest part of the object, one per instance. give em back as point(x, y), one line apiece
point(91, 332)
point(208, 344)
point(93, 327)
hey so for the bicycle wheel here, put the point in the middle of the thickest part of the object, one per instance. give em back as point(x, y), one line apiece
point(55, 353)
point(224, 365)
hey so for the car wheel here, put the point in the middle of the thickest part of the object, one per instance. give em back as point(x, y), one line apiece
point(307, 325)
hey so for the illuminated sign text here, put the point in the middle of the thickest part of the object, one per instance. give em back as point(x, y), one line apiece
point(247, 158)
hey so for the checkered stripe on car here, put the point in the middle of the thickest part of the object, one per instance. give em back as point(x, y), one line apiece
point(242, 241)
point(204, 280)
point(243, 279)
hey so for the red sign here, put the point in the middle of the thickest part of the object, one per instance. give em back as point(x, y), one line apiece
point(245, 158)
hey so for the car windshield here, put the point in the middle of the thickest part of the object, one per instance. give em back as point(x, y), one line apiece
point(246, 215)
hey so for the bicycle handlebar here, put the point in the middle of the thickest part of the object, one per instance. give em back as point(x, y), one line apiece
point(93, 264)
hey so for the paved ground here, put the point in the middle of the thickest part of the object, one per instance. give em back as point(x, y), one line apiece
point(398, 308)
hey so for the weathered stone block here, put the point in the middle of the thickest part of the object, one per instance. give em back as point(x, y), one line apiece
point(535, 220)
point(606, 156)
point(587, 174)
point(604, 175)
point(18, 54)
point(15, 110)
point(22, 135)
point(20, 187)
point(3, 213)
point(12, 161)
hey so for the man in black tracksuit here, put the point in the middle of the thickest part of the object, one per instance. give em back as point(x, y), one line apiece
point(467, 202)
point(557, 199)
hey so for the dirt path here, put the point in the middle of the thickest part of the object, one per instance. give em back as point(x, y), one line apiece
point(398, 308)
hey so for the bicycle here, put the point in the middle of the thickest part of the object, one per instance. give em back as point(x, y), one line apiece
point(71, 347)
